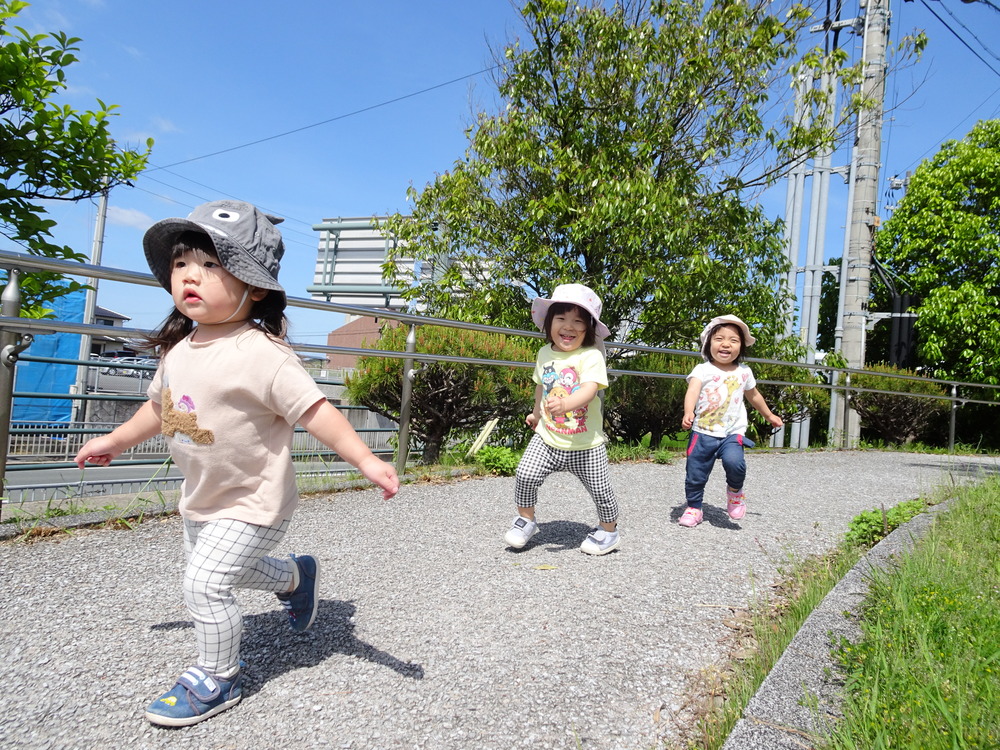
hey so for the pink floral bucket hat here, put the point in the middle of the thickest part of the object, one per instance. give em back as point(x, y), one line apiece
point(573, 294)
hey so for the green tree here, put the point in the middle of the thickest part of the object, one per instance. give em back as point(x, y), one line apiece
point(628, 141)
point(447, 397)
point(942, 245)
point(48, 151)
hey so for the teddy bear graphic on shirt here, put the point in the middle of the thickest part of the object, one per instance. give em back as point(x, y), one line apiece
point(181, 422)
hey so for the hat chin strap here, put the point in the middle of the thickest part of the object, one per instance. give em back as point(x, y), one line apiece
point(246, 293)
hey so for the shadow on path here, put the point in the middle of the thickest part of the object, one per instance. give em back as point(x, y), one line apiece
point(270, 648)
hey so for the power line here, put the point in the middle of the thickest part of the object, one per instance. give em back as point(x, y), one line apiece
point(216, 192)
point(959, 37)
point(332, 119)
point(971, 33)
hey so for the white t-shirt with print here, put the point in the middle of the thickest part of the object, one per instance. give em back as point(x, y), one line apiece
point(720, 410)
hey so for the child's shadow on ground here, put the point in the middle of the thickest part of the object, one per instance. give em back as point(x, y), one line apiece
point(713, 516)
point(271, 649)
point(558, 536)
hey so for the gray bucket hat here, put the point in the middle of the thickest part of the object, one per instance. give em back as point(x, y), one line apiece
point(247, 242)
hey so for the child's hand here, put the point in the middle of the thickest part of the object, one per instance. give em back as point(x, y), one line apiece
point(531, 420)
point(688, 420)
point(100, 451)
point(377, 471)
point(775, 421)
point(554, 406)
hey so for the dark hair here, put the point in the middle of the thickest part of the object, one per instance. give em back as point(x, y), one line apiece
point(267, 315)
point(706, 348)
point(558, 308)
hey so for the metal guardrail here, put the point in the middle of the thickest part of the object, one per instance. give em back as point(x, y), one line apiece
point(16, 333)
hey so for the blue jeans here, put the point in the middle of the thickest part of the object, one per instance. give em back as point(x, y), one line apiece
point(701, 454)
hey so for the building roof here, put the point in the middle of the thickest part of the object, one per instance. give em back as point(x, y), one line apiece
point(103, 312)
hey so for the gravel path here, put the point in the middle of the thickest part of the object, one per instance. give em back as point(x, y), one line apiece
point(431, 633)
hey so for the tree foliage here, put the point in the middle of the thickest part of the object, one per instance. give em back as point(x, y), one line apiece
point(942, 245)
point(48, 150)
point(628, 138)
point(447, 397)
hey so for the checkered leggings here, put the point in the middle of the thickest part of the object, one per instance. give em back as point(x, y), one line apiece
point(223, 555)
point(589, 466)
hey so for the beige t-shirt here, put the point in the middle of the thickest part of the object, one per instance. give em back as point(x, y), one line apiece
point(229, 410)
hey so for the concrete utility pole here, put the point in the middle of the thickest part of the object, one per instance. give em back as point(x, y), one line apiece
point(856, 269)
point(89, 307)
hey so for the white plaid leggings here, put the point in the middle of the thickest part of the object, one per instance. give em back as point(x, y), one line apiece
point(589, 466)
point(223, 555)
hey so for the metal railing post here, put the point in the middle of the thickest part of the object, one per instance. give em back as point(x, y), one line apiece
point(10, 306)
point(954, 414)
point(405, 399)
point(847, 411)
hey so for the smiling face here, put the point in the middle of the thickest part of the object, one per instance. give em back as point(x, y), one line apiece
point(568, 328)
point(725, 345)
point(206, 292)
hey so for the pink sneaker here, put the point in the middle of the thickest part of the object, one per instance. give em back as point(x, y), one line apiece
point(736, 505)
point(691, 517)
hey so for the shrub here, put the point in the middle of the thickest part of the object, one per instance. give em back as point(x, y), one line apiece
point(498, 460)
point(637, 405)
point(618, 452)
point(871, 526)
point(895, 418)
point(448, 397)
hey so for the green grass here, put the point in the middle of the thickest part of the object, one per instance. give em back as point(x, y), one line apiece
point(763, 633)
point(918, 447)
point(926, 672)
point(767, 630)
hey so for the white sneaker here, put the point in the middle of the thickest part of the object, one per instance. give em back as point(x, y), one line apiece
point(520, 532)
point(600, 542)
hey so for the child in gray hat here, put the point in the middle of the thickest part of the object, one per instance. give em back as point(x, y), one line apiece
point(227, 396)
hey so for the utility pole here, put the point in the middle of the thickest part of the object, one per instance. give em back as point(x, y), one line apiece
point(90, 306)
point(856, 268)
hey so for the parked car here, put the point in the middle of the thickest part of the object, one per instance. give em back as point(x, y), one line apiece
point(120, 365)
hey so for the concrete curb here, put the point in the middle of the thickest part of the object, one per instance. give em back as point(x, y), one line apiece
point(801, 696)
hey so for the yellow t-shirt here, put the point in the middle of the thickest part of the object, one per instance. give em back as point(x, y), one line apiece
point(562, 373)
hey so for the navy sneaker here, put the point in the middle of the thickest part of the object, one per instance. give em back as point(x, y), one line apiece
point(303, 603)
point(196, 696)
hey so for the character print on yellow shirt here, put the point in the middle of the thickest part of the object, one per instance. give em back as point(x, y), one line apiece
point(181, 422)
point(561, 384)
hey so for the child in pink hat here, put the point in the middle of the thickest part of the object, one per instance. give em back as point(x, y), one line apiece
point(567, 418)
point(717, 418)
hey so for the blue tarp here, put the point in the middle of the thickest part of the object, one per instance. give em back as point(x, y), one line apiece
point(43, 377)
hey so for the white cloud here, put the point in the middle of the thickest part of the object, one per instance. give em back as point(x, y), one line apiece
point(164, 125)
point(129, 217)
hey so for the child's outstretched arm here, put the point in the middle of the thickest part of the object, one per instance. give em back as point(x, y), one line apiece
point(144, 424)
point(690, 402)
point(756, 399)
point(582, 396)
point(325, 422)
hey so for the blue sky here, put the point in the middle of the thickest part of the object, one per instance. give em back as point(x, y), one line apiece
point(202, 77)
